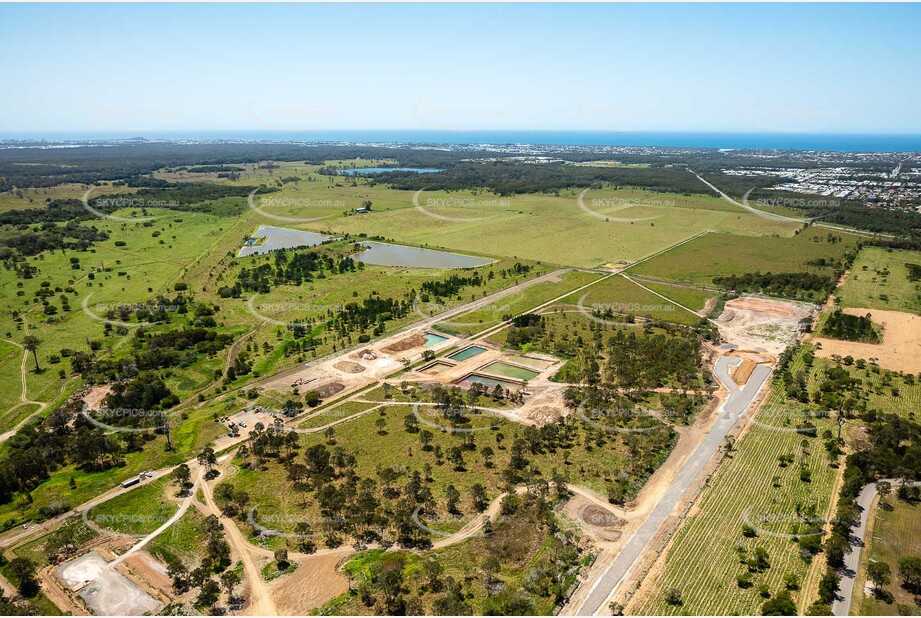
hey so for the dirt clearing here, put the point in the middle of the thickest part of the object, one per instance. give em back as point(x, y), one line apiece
point(349, 367)
point(901, 346)
point(762, 324)
point(106, 591)
point(315, 582)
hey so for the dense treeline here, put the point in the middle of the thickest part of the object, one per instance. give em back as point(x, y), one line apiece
point(509, 178)
point(803, 286)
point(524, 329)
point(840, 325)
point(42, 167)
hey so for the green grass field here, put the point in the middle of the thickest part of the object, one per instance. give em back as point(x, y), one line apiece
point(522, 226)
point(896, 533)
point(715, 255)
point(878, 279)
point(184, 540)
point(515, 303)
point(32, 197)
point(624, 297)
point(139, 511)
point(401, 450)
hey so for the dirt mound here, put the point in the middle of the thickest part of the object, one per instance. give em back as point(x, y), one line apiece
point(594, 515)
point(329, 389)
point(366, 354)
point(349, 367)
point(94, 395)
point(413, 341)
point(743, 372)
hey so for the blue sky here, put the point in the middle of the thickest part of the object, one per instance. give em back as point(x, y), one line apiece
point(698, 67)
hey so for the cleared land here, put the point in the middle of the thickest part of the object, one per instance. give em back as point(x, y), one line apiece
point(621, 297)
point(901, 346)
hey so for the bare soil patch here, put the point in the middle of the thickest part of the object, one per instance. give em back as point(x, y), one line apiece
point(94, 395)
point(413, 341)
point(762, 324)
point(315, 582)
point(146, 570)
point(743, 372)
point(594, 515)
point(901, 346)
point(329, 389)
point(349, 367)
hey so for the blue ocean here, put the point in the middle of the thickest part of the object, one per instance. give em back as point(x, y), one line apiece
point(854, 142)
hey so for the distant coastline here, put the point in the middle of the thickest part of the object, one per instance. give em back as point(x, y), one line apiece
point(840, 142)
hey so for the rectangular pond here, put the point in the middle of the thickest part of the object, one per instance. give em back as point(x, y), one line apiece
point(431, 339)
point(386, 254)
point(435, 368)
point(529, 361)
point(466, 353)
point(279, 238)
point(510, 371)
point(489, 382)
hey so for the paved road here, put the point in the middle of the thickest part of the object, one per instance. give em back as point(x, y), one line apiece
point(842, 603)
point(776, 217)
point(736, 403)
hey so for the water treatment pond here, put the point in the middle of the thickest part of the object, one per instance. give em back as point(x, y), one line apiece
point(269, 238)
point(506, 370)
point(385, 254)
point(489, 382)
point(467, 353)
point(431, 339)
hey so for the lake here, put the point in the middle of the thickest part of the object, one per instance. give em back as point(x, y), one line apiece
point(364, 171)
point(385, 254)
point(279, 238)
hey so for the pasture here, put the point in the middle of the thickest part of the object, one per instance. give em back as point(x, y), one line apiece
point(878, 279)
point(716, 255)
point(622, 297)
point(516, 303)
point(606, 225)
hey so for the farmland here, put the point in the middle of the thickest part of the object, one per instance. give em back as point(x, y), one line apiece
point(520, 302)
